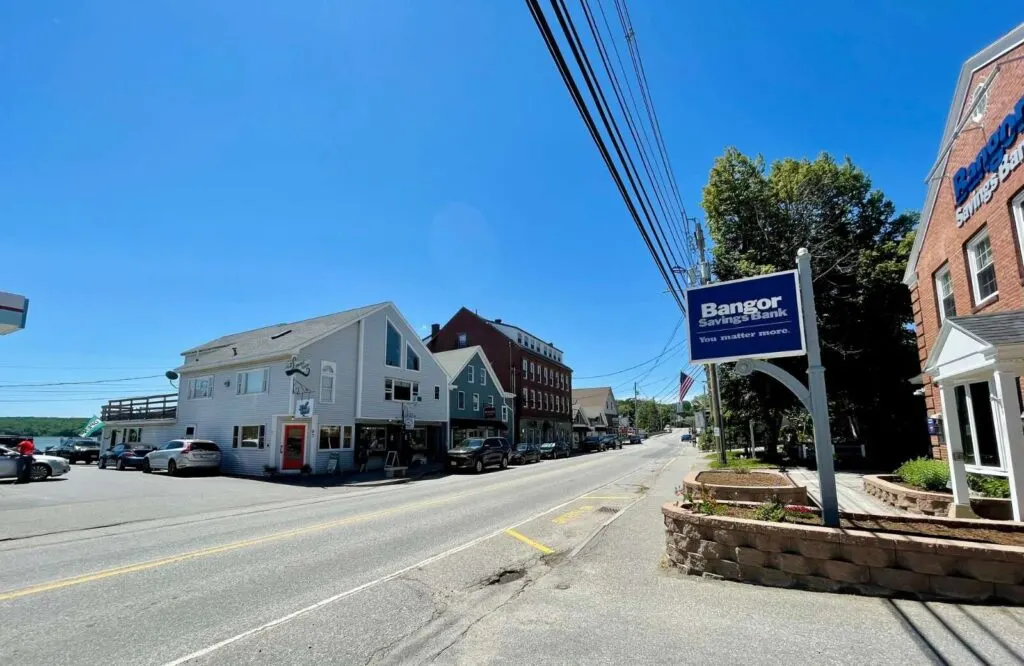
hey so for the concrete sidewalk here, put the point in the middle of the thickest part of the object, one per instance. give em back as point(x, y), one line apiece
point(616, 603)
point(849, 491)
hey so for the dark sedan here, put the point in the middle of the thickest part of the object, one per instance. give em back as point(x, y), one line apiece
point(591, 444)
point(73, 450)
point(525, 453)
point(554, 450)
point(124, 456)
point(611, 441)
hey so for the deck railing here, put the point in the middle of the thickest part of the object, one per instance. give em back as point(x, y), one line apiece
point(145, 408)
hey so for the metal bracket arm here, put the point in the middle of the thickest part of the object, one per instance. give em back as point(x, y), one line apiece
point(748, 366)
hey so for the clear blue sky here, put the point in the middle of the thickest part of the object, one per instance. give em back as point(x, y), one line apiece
point(174, 171)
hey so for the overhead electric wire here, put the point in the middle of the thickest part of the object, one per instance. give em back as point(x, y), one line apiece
point(632, 367)
point(638, 65)
point(80, 383)
point(567, 78)
point(643, 147)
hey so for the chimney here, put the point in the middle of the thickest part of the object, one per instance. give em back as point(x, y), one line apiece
point(434, 330)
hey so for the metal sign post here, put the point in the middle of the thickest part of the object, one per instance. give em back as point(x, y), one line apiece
point(823, 450)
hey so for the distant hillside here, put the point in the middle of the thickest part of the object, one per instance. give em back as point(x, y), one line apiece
point(42, 426)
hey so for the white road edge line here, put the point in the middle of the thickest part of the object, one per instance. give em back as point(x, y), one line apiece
point(383, 579)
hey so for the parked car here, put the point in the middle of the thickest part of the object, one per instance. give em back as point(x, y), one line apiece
point(525, 453)
point(631, 438)
point(76, 449)
point(181, 454)
point(554, 450)
point(591, 444)
point(124, 456)
point(611, 441)
point(643, 435)
point(43, 466)
point(686, 437)
point(477, 453)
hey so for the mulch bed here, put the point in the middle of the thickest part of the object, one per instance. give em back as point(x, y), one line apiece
point(725, 477)
point(1013, 537)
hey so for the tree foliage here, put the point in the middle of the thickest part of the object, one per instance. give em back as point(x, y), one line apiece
point(758, 218)
point(42, 426)
point(647, 415)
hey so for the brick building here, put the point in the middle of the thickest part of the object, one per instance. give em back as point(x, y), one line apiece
point(966, 273)
point(527, 366)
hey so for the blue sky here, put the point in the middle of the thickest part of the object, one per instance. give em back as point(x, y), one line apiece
point(174, 171)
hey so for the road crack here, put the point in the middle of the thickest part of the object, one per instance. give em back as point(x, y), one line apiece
point(462, 634)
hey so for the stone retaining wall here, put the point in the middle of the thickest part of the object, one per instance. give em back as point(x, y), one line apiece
point(787, 492)
point(884, 488)
point(842, 560)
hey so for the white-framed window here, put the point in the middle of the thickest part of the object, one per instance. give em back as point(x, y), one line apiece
point(1018, 220)
point(526, 369)
point(462, 340)
point(504, 413)
point(978, 434)
point(519, 338)
point(533, 399)
point(248, 437)
point(400, 390)
point(392, 346)
point(544, 375)
point(437, 392)
point(412, 359)
point(476, 402)
point(944, 293)
point(471, 374)
point(533, 371)
point(328, 372)
point(415, 391)
point(347, 437)
point(200, 388)
point(979, 103)
point(252, 381)
point(483, 376)
point(462, 400)
point(526, 396)
point(982, 268)
point(490, 401)
point(330, 437)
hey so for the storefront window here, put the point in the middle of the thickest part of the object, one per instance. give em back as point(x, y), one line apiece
point(977, 426)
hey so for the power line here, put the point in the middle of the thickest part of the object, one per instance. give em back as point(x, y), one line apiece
point(632, 367)
point(94, 381)
point(588, 119)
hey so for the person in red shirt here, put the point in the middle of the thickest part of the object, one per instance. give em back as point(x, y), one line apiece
point(25, 450)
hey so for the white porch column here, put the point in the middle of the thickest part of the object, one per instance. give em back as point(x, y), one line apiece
point(1012, 436)
point(961, 507)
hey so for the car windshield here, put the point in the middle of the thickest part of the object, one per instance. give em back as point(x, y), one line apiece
point(523, 447)
point(471, 444)
point(547, 445)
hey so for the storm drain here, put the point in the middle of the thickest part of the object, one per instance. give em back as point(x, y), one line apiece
point(608, 509)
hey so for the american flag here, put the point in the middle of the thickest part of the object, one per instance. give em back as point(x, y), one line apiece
point(685, 382)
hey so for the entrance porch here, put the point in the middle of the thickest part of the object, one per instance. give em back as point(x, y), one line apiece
point(976, 363)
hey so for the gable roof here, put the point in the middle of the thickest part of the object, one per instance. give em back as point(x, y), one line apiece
point(273, 341)
point(455, 360)
point(998, 328)
point(953, 126)
point(592, 398)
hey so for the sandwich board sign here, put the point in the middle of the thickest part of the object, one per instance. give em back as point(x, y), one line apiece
point(757, 317)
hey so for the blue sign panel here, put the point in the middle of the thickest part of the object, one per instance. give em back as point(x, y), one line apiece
point(757, 317)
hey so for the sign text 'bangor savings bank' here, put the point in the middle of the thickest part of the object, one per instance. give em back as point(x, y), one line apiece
point(972, 185)
point(757, 317)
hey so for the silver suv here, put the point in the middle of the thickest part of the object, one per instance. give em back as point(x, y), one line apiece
point(181, 454)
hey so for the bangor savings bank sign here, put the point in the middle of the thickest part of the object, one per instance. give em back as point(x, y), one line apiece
point(996, 158)
point(758, 317)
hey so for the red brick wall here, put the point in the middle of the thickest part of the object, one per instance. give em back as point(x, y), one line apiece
point(944, 241)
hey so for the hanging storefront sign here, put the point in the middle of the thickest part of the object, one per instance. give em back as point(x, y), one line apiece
point(303, 408)
point(489, 412)
point(998, 157)
point(758, 317)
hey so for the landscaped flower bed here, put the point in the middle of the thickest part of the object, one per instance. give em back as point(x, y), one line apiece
point(926, 558)
point(762, 485)
point(921, 486)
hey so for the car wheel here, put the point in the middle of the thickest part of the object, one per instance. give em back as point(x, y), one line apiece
point(40, 472)
point(103, 463)
point(120, 464)
point(172, 468)
point(504, 462)
point(146, 469)
point(479, 466)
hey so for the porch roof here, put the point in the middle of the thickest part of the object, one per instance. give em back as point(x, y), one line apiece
point(975, 344)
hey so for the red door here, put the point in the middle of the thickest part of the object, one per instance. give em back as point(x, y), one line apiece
point(294, 451)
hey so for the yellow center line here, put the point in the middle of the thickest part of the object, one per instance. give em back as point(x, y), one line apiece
point(248, 543)
point(529, 542)
point(609, 497)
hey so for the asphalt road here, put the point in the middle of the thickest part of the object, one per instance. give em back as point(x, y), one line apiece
point(329, 577)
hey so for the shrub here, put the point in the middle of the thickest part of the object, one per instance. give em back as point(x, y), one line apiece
point(772, 512)
point(708, 505)
point(925, 474)
point(989, 486)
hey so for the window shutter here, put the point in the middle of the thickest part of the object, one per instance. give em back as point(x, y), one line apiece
point(238, 383)
point(234, 437)
point(262, 432)
point(266, 380)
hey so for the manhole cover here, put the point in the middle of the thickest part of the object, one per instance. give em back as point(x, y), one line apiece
point(608, 509)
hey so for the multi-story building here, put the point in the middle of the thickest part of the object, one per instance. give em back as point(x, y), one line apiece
point(965, 273)
point(599, 407)
point(527, 366)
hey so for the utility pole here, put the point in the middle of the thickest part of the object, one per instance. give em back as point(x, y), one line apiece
point(636, 407)
point(711, 370)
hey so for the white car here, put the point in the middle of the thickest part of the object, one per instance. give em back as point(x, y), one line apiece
point(181, 454)
point(43, 466)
